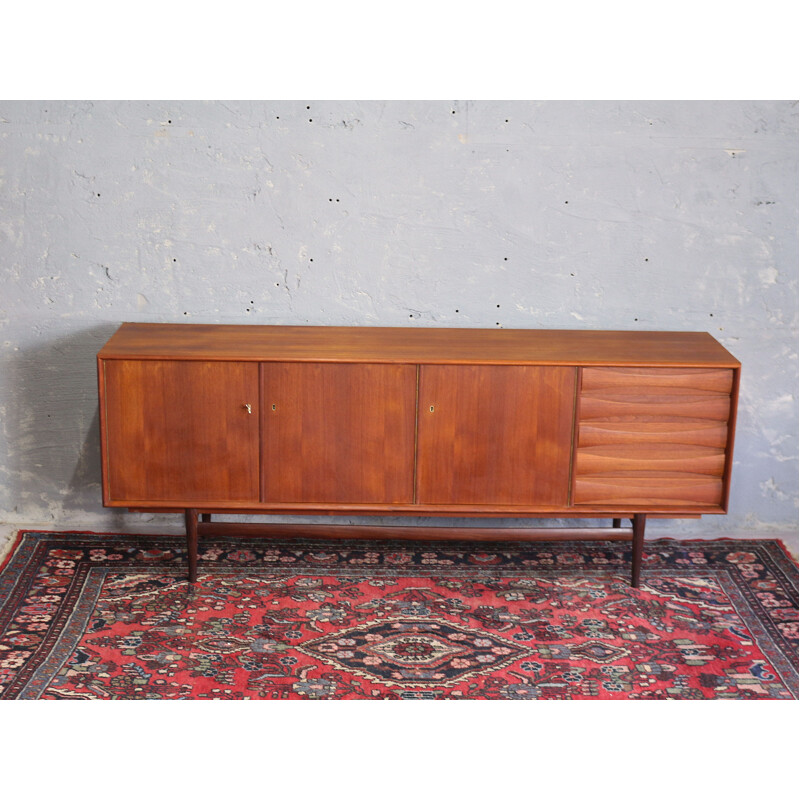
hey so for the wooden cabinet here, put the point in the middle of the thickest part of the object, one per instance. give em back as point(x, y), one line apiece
point(205, 419)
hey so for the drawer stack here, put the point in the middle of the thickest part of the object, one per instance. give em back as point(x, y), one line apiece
point(652, 437)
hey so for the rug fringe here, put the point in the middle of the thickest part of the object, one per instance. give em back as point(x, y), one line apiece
point(788, 552)
point(7, 549)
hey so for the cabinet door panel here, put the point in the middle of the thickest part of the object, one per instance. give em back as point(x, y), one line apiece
point(179, 431)
point(495, 435)
point(338, 433)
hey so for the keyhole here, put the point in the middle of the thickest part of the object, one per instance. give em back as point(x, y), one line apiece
point(431, 409)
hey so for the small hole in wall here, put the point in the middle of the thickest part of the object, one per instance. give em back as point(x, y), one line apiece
point(185, 313)
point(174, 260)
point(456, 311)
point(710, 315)
point(636, 319)
point(647, 259)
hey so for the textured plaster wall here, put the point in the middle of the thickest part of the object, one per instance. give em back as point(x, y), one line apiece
point(633, 215)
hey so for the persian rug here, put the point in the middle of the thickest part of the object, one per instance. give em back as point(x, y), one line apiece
point(112, 616)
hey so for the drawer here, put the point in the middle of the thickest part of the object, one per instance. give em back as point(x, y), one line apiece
point(653, 489)
point(649, 403)
point(637, 378)
point(681, 458)
point(709, 433)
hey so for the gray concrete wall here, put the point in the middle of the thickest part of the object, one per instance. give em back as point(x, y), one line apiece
point(633, 215)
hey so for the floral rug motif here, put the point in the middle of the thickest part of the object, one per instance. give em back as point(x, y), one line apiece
point(112, 616)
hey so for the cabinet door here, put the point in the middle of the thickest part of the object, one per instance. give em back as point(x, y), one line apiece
point(338, 433)
point(179, 432)
point(495, 435)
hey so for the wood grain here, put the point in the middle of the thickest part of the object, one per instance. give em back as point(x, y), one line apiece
point(496, 435)
point(178, 431)
point(713, 380)
point(654, 437)
point(649, 489)
point(417, 345)
point(599, 404)
point(647, 456)
point(654, 430)
point(338, 433)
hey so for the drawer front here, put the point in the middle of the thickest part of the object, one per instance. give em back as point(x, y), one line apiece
point(652, 437)
point(709, 380)
point(656, 488)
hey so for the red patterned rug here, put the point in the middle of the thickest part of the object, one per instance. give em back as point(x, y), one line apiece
point(111, 616)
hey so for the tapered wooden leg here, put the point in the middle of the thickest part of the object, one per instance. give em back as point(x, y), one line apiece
point(638, 547)
point(617, 523)
point(191, 542)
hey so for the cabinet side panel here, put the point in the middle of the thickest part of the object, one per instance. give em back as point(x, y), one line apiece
point(338, 433)
point(180, 432)
point(101, 397)
point(495, 435)
point(726, 477)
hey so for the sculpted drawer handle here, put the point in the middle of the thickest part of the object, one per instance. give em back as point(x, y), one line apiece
point(248, 407)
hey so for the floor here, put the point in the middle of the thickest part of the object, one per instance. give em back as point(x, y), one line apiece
point(132, 525)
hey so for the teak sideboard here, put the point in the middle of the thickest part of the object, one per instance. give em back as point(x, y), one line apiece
point(239, 419)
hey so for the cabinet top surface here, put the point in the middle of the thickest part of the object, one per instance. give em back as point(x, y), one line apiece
point(415, 345)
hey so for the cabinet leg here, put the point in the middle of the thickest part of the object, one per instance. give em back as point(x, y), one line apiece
point(638, 546)
point(617, 523)
point(191, 542)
